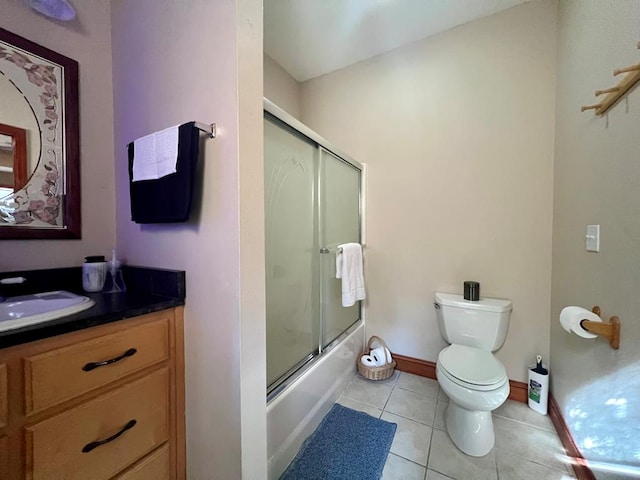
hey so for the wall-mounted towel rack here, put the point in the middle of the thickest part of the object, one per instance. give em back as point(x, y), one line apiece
point(326, 250)
point(617, 92)
point(208, 129)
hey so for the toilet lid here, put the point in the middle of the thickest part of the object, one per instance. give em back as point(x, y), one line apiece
point(470, 365)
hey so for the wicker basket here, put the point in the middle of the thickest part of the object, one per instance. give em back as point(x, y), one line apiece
point(375, 373)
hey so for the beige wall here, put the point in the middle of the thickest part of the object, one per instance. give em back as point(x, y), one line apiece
point(166, 74)
point(280, 87)
point(87, 39)
point(457, 131)
point(597, 180)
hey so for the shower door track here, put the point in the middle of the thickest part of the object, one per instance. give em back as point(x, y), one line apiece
point(301, 367)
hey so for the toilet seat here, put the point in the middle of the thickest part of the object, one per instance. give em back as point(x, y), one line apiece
point(472, 368)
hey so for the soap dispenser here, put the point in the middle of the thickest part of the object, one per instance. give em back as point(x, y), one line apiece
point(114, 281)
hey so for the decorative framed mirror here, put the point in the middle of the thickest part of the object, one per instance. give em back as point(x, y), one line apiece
point(39, 142)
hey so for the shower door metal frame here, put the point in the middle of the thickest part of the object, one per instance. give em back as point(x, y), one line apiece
point(307, 132)
point(323, 145)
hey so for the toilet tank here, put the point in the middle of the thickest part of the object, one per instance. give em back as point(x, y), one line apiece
point(482, 324)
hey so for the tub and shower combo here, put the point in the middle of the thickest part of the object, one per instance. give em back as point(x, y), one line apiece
point(313, 203)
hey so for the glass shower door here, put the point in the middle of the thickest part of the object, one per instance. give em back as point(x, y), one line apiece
point(292, 260)
point(340, 223)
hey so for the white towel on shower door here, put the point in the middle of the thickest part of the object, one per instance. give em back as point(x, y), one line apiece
point(349, 268)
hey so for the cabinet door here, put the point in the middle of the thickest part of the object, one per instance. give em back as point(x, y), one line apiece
point(4, 457)
point(3, 396)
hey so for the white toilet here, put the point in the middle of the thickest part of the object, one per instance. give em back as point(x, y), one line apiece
point(473, 379)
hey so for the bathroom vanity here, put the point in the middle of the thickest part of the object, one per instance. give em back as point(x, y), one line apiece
point(99, 394)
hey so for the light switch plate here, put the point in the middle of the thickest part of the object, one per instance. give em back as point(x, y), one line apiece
point(593, 238)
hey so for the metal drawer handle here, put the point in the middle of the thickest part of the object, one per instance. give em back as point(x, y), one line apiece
point(91, 365)
point(91, 445)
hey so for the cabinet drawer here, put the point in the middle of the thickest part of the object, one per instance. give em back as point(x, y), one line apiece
point(92, 441)
point(4, 394)
point(62, 374)
point(154, 466)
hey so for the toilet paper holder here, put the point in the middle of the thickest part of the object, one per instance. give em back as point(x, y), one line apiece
point(610, 331)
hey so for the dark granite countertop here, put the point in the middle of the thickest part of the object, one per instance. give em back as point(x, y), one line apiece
point(148, 290)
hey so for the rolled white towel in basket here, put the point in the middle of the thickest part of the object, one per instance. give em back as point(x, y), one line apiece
point(379, 356)
point(378, 353)
point(375, 345)
point(368, 361)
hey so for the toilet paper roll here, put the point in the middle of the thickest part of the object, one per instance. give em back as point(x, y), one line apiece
point(368, 361)
point(379, 356)
point(570, 318)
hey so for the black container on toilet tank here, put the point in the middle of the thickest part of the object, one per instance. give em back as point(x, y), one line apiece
point(471, 291)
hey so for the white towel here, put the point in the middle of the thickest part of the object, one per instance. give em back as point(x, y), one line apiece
point(379, 356)
point(349, 269)
point(155, 155)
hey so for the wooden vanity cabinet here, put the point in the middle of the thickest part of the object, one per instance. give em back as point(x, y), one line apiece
point(3, 396)
point(4, 458)
point(4, 444)
point(105, 403)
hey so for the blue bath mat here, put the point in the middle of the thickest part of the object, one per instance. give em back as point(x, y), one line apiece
point(347, 445)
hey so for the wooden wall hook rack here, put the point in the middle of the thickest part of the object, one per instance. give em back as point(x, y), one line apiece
point(616, 92)
point(610, 331)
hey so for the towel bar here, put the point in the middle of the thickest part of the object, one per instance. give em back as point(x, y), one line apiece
point(208, 129)
point(326, 250)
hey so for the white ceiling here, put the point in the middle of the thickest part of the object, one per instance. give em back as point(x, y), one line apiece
point(309, 38)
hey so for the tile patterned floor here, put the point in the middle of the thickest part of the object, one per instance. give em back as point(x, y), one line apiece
point(527, 447)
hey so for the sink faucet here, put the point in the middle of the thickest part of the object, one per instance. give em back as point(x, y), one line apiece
point(10, 281)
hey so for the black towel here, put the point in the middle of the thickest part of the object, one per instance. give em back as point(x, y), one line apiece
point(167, 199)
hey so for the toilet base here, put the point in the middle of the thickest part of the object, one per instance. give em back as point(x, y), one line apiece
point(471, 431)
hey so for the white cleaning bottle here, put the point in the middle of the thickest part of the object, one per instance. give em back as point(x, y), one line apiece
point(114, 281)
point(538, 387)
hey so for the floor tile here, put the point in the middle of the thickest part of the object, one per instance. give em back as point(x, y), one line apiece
point(359, 406)
point(531, 443)
point(411, 440)
point(433, 475)
point(387, 381)
point(442, 396)
point(415, 383)
point(368, 391)
point(521, 412)
point(512, 466)
point(440, 421)
point(398, 468)
point(445, 458)
point(412, 405)
point(527, 446)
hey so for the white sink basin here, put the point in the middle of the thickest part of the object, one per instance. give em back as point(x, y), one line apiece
point(17, 312)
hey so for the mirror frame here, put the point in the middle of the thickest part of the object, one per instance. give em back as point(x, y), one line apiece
point(71, 198)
